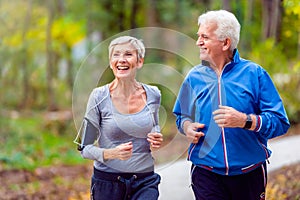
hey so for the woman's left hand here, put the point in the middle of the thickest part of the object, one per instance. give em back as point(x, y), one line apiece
point(155, 139)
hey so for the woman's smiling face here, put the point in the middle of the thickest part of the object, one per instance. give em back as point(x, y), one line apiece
point(124, 61)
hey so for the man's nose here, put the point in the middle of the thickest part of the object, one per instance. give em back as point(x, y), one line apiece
point(199, 42)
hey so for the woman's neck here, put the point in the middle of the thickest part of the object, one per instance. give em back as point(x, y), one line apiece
point(127, 97)
point(124, 88)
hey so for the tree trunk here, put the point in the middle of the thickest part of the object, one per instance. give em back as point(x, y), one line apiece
point(226, 5)
point(111, 25)
point(249, 11)
point(49, 56)
point(272, 14)
point(24, 65)
point(152, 13)
point(298, 49)
point(135, 7)
point(245, 43)
point(70, 67)
point(121, 15)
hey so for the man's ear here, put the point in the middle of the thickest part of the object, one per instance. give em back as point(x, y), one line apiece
point(226, 44)
point(140, 63)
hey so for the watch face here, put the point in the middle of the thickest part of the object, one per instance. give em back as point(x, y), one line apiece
point(248, 122)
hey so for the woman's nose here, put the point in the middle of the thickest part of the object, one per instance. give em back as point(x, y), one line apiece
point(122, 58)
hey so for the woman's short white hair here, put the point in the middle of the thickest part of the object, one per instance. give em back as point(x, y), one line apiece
point(227, 25)
point(136, 43)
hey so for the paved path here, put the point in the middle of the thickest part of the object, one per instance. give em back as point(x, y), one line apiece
point(176, 180)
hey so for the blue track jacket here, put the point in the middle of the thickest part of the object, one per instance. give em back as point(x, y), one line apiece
point(248, 88)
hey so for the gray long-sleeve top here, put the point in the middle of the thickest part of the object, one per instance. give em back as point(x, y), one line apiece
point(115, 128)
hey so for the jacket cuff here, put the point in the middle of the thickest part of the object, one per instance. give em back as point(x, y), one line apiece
point(258, 123)
point(181, 124)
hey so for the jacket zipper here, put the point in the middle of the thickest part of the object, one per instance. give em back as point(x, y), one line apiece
point(191, 151)
point(222, 129)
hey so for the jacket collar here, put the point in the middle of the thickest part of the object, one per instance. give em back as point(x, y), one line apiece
point(228, 66)
point(236, 59)
point(236, 56)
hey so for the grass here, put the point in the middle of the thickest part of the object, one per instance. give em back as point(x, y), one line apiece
point(27, 143)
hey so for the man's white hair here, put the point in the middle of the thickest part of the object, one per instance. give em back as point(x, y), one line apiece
point(227, 25)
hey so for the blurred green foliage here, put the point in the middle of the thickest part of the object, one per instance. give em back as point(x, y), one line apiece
point(30, 141)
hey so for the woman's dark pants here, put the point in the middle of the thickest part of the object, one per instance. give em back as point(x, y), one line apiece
point(112, 186)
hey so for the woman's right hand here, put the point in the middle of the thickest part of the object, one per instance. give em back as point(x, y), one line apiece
point(122, 152)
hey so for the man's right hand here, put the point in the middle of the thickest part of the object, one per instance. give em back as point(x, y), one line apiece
point(191, 131)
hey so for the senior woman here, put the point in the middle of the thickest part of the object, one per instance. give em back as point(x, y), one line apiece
point(122, 117)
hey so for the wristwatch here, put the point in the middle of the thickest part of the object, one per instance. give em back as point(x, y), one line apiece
point(248, 123)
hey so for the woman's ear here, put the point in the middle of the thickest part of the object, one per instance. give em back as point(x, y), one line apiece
point(110, 64)
point(140, 63)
